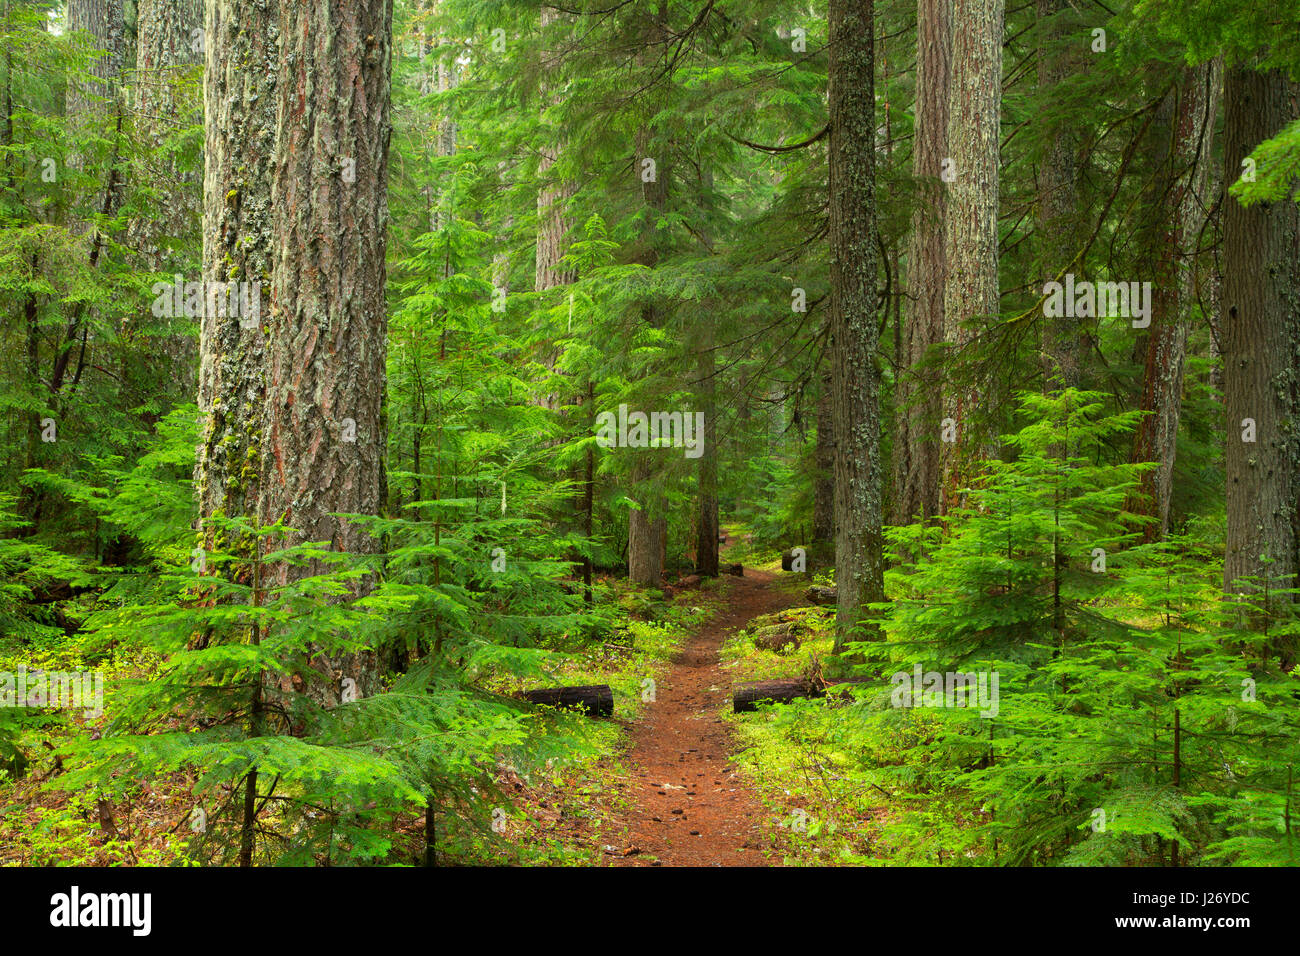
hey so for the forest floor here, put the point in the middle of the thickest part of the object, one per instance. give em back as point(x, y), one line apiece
point(688, 804)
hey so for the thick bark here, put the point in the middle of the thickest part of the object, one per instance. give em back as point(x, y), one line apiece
point(102, 19)
point(295, 198)
point(859, 565)
point(329, 319)
point(91, 101)
point(971, 233)
point(553, 224)
point(1180, 201)
point(242, 57)
point(919, 396)
point(646, 529)
point(164, 53)
point(553, 220)
point(1261, 351)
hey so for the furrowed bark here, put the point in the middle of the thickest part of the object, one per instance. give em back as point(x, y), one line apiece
point(823, 530)
point(859, 566)
point(919, 392)
point(971, 232)
point(1183, 205)
point(242, 65)
point(1261, 352)
point(325, 361)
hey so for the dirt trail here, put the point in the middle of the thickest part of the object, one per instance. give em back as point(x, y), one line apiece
point(689, 806)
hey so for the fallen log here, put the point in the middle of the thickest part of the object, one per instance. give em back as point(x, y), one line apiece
point(820, 595)
point(746, 697)
point(597, 699)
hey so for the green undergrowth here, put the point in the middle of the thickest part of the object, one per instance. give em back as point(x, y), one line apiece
point(794, 753)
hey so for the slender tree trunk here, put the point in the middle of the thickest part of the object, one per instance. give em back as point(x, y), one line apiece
point(589, 495)
point(1058, 175)
point(166, 48)
point(706, 547)
point(824, 459)
point(1261, 301)
point(859, 565)
point(971, 233)
point(1180, 201)
point(438, 76)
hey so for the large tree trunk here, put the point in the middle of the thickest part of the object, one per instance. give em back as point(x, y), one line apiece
point(646, 527)
point(1058, 214)
point(94, 108)
point(971, 233)
point(647, 530)
point(859, 565)
point(242, 64)
point(296, 198)
point(329, 317)
point(919, 397)
point(86, 100)
point(1178, 200)
point(1261, 302)
point(553, 220)
point(165, 50)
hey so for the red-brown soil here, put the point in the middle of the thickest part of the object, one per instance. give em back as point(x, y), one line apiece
point(688, 806)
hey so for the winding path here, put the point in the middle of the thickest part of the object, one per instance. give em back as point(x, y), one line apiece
point(689, 806)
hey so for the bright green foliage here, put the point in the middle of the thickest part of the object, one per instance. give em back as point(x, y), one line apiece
point(1131, 722)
